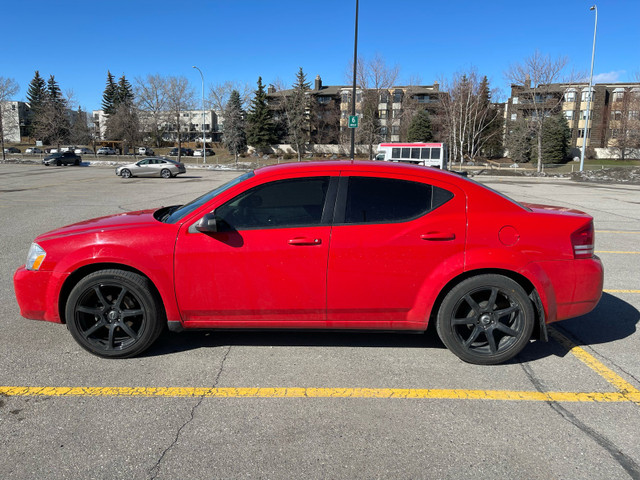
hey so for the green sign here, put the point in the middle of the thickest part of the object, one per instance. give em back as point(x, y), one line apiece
point(353, 121)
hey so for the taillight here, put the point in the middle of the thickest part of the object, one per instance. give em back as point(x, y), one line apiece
point(582, 241)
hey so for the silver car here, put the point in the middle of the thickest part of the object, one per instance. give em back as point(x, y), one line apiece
point(151, 167)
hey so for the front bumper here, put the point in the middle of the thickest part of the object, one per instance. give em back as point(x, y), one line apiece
point(37, 294)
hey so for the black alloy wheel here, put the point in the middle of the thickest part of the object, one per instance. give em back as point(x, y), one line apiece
point(486, 319)
point(114, 313)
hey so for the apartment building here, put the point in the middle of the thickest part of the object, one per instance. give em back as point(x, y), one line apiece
point(331, 107)
point(15, 120)
point(614, 111)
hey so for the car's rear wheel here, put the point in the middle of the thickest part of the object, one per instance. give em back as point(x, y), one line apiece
point(114, 313)
point(486, 319)
point(126, 173)
point(58, 163)
point(77, 162)
point(165, 173)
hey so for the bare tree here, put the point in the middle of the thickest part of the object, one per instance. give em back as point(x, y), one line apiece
point(537, 74)
point(152, 102)
point(180, 98)
point(220, 94)
point(624, 125)
point(8, 88)
point(375, 79)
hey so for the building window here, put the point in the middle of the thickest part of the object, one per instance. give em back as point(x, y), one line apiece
point(570, 97)
point(346, 97)
point(396, 113)
point(382, 114)
point(618, 96)
point(585, 96)
point(514, 100)
point(568, 114)
point(423, 98)
point(384, 97)
point(514, 117)
point(583, 114)
point(615, 133)
point(581, 133)
point(324, 99)
point(358, 97)
point(395, 130)
point(634, 115)
point(397, 96)
point(616, 115)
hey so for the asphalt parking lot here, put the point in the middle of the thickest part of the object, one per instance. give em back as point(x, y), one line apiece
point(318, 405)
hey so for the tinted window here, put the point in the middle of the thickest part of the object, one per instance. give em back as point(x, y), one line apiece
point(285, 203)
point(382, 200)
point(435, 153)
point(395, 152)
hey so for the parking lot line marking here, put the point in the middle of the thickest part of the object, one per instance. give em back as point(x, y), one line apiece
point(617, 251)
point(624, 387)
point(618, 231)
point(620, 291)
point(380, 393)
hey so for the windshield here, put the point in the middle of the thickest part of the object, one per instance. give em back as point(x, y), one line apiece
point(179, 212)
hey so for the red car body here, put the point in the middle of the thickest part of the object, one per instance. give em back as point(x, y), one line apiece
point(330, 274)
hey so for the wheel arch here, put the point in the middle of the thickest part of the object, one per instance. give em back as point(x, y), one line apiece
point(73, 279)
point(540, 328)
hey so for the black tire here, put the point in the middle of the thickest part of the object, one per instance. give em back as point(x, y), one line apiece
point(58, 163)
point(114, 314)
point(77, 162)
point(165, 173)
point(486, 319)
point(126, 173)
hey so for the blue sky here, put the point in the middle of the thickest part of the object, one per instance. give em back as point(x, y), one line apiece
point(239, 40)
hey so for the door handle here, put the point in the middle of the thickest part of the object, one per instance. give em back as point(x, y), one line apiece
point(438, 236)
point(305, 241)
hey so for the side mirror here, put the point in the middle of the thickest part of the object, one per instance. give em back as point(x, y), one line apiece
point(207, 224)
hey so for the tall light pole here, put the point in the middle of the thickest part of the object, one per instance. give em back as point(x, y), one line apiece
point(586, 123)
point(204, 143)
point(353, 95)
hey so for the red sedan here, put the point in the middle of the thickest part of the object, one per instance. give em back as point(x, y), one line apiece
point(357, 245)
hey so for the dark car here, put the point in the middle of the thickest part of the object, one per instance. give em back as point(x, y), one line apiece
point(64, 158)
point(11, 150)
point(183, 151)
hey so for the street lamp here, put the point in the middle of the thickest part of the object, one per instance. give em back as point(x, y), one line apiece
point(353, 94)
point(204, 150)
point(586, 123)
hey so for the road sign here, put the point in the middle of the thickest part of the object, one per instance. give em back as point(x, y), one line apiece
point(353, 121)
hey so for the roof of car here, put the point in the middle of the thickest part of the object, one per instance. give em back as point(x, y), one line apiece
point(359, 165)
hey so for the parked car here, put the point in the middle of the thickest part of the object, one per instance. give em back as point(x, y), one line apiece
point(151, 167)
point(68, 149)
point(198, 153)
point(33, 150)
point(106, 151)
point(353, 245)
point(83, 151)
point(62, 158)
point(184, 151)
point(145, 151)
point(11, 150)
point(52, 150)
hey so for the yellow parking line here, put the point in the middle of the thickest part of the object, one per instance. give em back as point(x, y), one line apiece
point(617, 251)
point(624, 387)
point(620, 291)
point(397, 393)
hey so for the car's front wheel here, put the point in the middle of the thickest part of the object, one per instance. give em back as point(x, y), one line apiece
point(486, 319)
point(126, 173)
point(114, 313)
point(165, 173)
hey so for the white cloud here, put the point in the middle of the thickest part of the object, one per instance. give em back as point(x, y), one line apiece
point(609, 77)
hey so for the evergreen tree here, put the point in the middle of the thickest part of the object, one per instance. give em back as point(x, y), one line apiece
point(36, 94)
point(297, 121)
point(519, 141)
point(109, 97)
point(234, 137)
point(52, 123)
point(420, 128)
point(260, 127)
point(556, 136)
point(491, 135)
point(124, 92)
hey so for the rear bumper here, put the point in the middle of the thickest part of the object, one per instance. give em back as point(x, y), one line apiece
point(37, 294)
point(573, 288)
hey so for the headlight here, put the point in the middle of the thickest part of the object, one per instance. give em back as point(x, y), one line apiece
point(35, 257)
